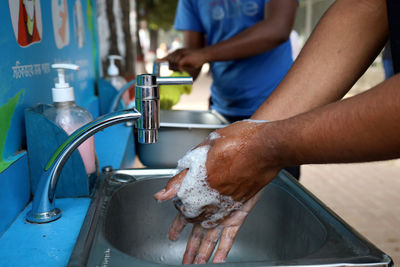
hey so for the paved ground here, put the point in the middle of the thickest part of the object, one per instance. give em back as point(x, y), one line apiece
point(365, 195)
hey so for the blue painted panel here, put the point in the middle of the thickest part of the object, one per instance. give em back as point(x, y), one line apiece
point(111, 145)
point(107, 94)
point(93, 107)
point(15, 191)
point(73, 180)
point(60, 34)
point(48, 244)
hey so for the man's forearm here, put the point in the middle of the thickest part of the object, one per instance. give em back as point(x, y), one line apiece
point(345, 42)
point(365, 127)
point(193, 40)
point(261, 37)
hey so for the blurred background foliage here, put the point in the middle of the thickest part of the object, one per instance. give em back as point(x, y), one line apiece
point(159, 14)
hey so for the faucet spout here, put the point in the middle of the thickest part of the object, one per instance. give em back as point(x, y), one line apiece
point(147, 100)
point(43, 205)
point(147, 95)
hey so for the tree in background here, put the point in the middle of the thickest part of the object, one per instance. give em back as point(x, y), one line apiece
point(159, 15)
point(128, 38)
point(116, 34)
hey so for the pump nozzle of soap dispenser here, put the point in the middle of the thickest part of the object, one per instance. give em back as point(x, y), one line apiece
point(117, 81)
point(113, 69)
point(62, 92)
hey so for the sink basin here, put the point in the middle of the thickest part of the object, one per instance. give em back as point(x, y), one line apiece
point(142, 234)
point(125, 226)
point(180, 130)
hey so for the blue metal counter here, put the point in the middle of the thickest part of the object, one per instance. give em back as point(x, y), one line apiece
point(51, 244)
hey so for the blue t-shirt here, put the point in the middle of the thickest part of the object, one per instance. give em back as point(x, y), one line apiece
point(239, 86)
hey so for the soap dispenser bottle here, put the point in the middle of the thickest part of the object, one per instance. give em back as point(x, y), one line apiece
point(66, 114)
point(115, 79)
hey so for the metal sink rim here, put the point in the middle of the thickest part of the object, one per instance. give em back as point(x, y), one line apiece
point(89, 233)
point(222, 121)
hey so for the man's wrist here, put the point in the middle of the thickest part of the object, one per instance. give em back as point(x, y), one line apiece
point(207, 54)
point(276, 140)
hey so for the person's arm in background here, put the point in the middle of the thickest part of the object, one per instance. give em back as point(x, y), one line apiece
point(192, 40)
point(344, 44)
point(267, 34)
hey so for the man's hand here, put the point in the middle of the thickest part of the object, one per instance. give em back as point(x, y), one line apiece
point(241, 162)
point(185, 59)
point(202, 242)
point(237, 167)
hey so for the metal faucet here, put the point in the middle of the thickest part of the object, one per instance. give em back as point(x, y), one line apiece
point(147, 94)
point(147, 121)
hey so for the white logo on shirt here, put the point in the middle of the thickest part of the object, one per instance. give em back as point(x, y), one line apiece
point(233, 9)
point(250, 8)
point(218, 13)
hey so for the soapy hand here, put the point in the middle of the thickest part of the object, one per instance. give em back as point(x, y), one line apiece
point(202, 242)
point(237, 168)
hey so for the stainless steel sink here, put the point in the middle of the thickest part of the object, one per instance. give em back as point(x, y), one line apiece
point(288, 227)
point(180, 130)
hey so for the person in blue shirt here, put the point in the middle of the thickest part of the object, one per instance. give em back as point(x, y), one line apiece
point(387, 61)
point(247, 45)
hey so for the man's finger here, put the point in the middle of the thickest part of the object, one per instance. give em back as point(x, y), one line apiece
point(225, 243)
point(248, 206)
point(182, 64)
point(173, 66)
point(193, 244)
point(207, 245)
point(206, 211)
point(177, 227)
point(172, 187)
point(232, 226)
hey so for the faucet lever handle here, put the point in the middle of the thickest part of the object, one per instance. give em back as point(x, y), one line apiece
point(156, 68)
point(174, 80)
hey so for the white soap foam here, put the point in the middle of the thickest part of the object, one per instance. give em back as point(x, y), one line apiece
point(213, 135)
point(195, 193)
